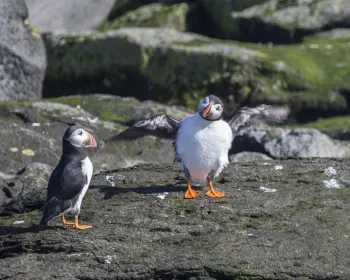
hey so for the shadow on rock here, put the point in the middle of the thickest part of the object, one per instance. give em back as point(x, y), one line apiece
point(109, 191)
point(12, 230)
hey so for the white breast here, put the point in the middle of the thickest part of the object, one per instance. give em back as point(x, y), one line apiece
point(203, 146)
point(87, 170)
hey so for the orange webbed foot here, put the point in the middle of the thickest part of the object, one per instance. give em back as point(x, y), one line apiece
point(212, 192)
point(77, 226)
point(190, 193)
point(65, 222)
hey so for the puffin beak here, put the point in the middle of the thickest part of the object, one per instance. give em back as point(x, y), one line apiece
point(206, 111)
point(90, 142)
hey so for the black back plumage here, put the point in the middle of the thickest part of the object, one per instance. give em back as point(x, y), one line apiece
point(66, 181)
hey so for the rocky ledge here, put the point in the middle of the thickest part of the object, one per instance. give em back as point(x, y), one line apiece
point(285, 219)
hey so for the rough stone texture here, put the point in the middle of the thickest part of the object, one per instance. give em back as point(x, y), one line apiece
point(22, 54)
point(152, 15)
point(248, 156)
point(34, 131)
point(336, 33)
point(273, 224)
point(179, 68)
point(298, 142)
point(25, 191)
point(70, 15)
point(282, 21)
point(336, 127)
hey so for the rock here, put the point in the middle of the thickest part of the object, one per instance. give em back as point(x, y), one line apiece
point(22, 54)
point(290, 143)
point(281, 21)
point(336, 127)
point(77, 15)
point(152, 15)
point(335, 34)
point(144, 229)
point(248, 156)
point(179, 68)
point(213, 17)
point(27, 191)
point(123, 110)
point(34, 131)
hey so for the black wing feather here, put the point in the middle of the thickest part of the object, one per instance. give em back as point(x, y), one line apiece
point(163, 126)
point(247, 116)
point(65, 183)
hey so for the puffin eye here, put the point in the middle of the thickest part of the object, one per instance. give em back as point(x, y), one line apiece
point(80, 133)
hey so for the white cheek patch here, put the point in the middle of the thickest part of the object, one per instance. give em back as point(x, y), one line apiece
point(75, 141)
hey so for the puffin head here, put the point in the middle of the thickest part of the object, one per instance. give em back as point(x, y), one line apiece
point(211, 108)
point(79, 137)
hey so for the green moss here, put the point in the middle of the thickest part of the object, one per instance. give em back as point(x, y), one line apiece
point(152, 15)
point(106, 109)
point(193, 43)
point(336, 127)
point(308, 76)
point(28, 218)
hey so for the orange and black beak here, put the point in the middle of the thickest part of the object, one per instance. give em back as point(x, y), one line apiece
point(207, 111)
point(90, 142)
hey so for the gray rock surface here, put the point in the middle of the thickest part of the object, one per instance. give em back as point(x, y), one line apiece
point(70, 15)
point(179, 68)
point(34, 132)
point(248, 156)
point(291, 19)
point(283, 142)
point(22, 54)
point(273, 224)
point(152, 15)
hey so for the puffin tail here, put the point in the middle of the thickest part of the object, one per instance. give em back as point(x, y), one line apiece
point(49, 214)
point(52, 209)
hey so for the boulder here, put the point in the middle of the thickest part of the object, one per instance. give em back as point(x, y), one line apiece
point(152, 15)
point(25, 191)
point(22, 54)
point(290, 143)
point(281, 21)
point(179, 68)
point(248, 156)
point(278, 221)
point(336, 127)
point(34, 131)
point(77, 15)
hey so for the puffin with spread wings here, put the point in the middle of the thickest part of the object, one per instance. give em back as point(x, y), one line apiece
point(203, 140)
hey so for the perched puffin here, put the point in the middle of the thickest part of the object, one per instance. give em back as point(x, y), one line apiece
point(70, 179)
point(203, 140)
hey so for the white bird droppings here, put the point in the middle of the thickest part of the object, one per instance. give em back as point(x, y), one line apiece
point(18, 222)
point(110, 178)
point(108, 259)
point(329, 171)
point(278, 167)
point(94, 120)
point(331, 184)
point(36, 124)
point(267, 190)
point(162, 195)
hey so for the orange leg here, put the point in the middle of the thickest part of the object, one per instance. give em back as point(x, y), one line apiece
point(190, 193)
point(212, 192)
point(77, 226)
point(65, 222)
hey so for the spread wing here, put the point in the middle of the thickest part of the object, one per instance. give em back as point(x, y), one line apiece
point(162, 126)
point(246, 116)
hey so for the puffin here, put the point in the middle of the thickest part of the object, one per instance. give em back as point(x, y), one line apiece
point(202, 141)
point(70, 179)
